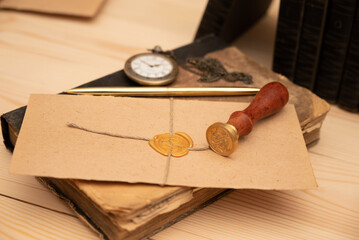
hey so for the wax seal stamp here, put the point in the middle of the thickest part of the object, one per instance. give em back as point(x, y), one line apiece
point(223, 137)
point(178, 145)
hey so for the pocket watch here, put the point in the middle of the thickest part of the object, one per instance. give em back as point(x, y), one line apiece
point(151, 69)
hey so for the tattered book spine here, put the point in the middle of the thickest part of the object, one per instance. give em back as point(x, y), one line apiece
point(335, 44)
point(310, 43)
point(349, 91)
point(287, 37)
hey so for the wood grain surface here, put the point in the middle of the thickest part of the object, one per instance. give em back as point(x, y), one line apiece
point(42, 53)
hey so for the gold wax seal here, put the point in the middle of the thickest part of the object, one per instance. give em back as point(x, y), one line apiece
point(180, 142)
point(222, 138)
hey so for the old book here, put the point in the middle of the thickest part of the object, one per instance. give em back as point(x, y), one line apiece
point(310, 43)
point(130, 211)
point(288, 33)
point(349, 91)
point(334, 48)
point(134, 211)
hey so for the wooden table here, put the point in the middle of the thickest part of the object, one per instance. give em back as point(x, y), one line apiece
point(46, 54)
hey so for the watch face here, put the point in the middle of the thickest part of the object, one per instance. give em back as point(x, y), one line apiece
point(151, 66)
point(151, 69)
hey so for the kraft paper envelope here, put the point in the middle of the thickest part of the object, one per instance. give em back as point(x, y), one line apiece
point(272, 156)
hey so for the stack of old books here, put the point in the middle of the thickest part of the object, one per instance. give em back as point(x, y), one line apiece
point(317, 46)
point(119, 210)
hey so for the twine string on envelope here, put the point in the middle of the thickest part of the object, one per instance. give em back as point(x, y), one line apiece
point(171, 144)
point(168, 160)
point(74, 125)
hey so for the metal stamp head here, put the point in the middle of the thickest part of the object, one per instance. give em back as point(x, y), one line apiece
point(222, 138)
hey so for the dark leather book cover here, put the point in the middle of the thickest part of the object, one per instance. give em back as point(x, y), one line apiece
point(227, 19)
point(349, 91)
point(288, 33)
point(334, 48)
point(310, 42)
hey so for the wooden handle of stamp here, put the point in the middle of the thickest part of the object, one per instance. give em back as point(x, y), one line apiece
point(270, 99)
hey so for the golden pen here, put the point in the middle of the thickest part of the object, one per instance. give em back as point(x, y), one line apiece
point(164, 91)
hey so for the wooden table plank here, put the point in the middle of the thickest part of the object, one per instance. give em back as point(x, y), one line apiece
point(253, 214)
point(339, 139)
point(24, 221)
point(27, 188)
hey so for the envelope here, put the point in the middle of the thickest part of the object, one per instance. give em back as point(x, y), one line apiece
point(272, 156)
